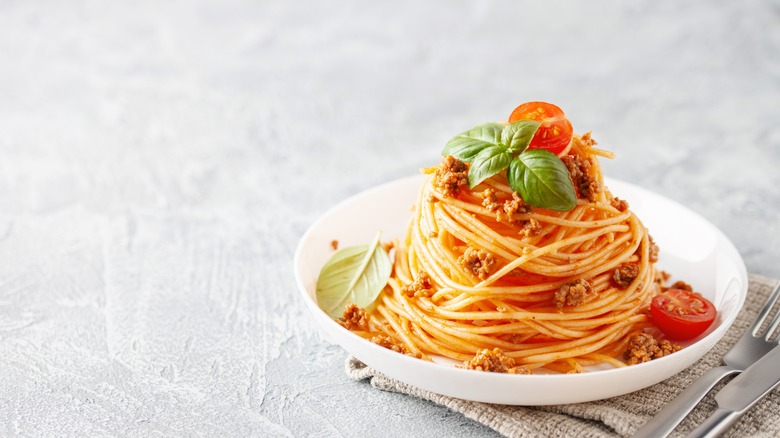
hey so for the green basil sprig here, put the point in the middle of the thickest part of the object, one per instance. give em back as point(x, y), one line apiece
point(356, 274)
point(542, 180)
point(538, 175)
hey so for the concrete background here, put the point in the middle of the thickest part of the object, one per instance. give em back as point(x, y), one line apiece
point(160, 160)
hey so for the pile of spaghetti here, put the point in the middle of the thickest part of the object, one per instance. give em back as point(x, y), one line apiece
point(485, 278)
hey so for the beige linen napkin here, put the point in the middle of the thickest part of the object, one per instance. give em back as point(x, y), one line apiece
point(618, 416)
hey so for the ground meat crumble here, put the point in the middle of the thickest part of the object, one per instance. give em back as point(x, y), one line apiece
point(619, 204)
point(530, 227)
point(506, 210)
point(334, 244)
point(477, 261)
point(643, 347)
point(394, 344)
point(355, 318)
point(586, 141)
point(579, 169)
point(422, 286)
point(625, 274)
point(653, 257)
point(516, 206)
point(573, 294)
point(494, 361)
point(451, 175)
point(660, 278)
point(490, 201)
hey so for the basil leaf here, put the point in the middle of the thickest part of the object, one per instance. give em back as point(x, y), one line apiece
point(542, 180)
point(467, 145)
point(488, 162)
point(355, 274)
point(518, 135)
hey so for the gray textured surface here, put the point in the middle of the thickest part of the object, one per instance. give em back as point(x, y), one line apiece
point(159, 161)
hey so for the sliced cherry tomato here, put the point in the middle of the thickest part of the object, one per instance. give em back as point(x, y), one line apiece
point(681, 314)
point(555, 132)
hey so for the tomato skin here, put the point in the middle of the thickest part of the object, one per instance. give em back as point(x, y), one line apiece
point(681, 314)
point(555, 132)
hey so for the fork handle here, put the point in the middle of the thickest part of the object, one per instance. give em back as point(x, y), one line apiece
point(675, 411)
point(716, 425)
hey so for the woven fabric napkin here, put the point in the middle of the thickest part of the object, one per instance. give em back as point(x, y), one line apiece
point(618, 416)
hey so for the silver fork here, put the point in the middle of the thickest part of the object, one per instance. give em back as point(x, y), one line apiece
point(750, 347)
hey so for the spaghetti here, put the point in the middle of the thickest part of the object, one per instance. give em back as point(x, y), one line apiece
point(484, 278)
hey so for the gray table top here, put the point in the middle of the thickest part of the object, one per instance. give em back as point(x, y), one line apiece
point(159, 162)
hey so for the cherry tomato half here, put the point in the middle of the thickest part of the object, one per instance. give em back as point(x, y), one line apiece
point(681, 314)
point(555, 132)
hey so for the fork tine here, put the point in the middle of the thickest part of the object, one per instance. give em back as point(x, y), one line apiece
point(770, 302)
point(775, 321)
point(772, 327)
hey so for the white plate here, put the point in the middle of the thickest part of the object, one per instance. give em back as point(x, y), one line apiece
point(692, 249)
